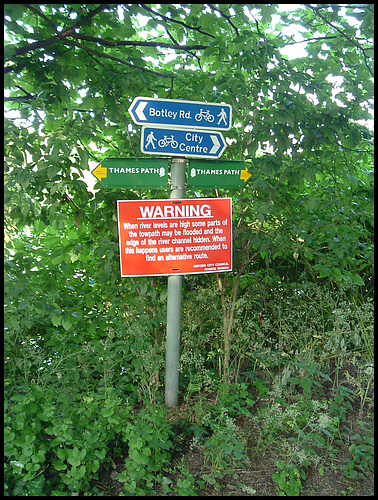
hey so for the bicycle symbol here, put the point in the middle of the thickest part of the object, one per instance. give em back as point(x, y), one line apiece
point(166, 141)
point(205, 115)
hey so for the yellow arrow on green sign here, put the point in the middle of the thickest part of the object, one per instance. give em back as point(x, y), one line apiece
point(132, 173)
point(100, 172)
point(245, 175)
point(210, 174)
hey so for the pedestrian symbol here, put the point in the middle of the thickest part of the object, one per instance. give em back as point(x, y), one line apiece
point(223, 117)
point(150, 139)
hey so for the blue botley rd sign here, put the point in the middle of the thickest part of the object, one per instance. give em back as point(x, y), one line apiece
point(181, 114)
point(184, 143)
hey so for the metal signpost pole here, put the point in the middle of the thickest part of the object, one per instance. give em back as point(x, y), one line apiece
point(174, 302)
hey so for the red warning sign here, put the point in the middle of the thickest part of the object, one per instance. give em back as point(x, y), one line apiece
point(167, 237)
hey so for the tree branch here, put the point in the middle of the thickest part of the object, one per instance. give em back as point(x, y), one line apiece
point(228, 18)
point(355, 150)
point(19, 98)
point(44, 43)
point(344, 35)
point(174, 20)
point(8, 69)
point(312, 40)
point(70, 200)
point(86, 19)
point(40, 14)
point(132, 43)
point(70, 32)
point(27, 97)
point(121, 61)
point(170, 36)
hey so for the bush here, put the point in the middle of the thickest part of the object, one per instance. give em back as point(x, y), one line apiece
point(55, 445)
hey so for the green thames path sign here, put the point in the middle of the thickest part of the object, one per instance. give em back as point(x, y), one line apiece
point(225, 174)
point(132, 173)
point(151, 173)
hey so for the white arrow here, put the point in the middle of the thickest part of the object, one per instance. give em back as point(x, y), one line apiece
point(216, 144)
point(139, 111)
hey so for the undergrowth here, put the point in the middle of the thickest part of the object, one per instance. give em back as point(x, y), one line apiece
point(304, 373)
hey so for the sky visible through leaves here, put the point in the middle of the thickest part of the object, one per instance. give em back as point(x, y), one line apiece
point(297, 49)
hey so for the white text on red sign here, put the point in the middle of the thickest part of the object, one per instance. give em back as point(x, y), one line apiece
point(158, 234)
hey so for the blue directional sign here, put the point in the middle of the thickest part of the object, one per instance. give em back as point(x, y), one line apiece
point(185, 143)
point(181, 114)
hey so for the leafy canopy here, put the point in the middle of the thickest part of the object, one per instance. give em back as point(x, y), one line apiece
point(71, 72)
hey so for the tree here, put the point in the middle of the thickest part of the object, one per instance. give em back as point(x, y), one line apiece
point(71, 72)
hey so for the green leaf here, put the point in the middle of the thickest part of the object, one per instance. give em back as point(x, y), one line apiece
point(66, 323)
point(107, 412)
point(123, 476)
point(56, 319)
point(75, 456)
point(9, 51)
point(73, 256)
point(323, 270)
point(357, 279)
point(23, 305)
point(59, 465)
point(83, 159)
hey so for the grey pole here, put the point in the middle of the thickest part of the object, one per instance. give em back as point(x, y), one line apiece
point(174, 302)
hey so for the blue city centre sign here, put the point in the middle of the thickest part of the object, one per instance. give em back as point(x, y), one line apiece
point(181, 114)
point(184, 143)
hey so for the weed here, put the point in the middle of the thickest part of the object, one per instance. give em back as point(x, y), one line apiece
point(60, 430)
point(185, 487)
point(346, 493)
point(341, 404)
point(362, 457)
point(225, 447)
point(148, 442)
point(192, 366)
point(235, 398)
point(362, 382)
point(288, 479)
point(185, 484)
point(260, 385)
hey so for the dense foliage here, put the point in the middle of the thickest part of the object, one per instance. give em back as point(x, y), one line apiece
point(84, 349)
